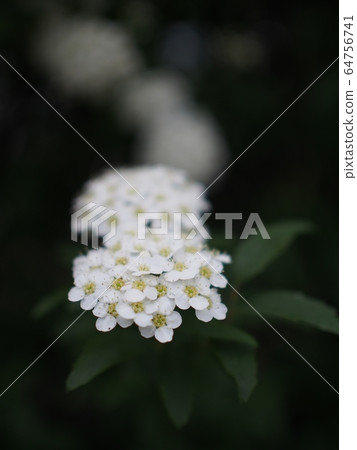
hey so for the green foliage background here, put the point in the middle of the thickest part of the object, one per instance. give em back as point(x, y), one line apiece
point(124, 391)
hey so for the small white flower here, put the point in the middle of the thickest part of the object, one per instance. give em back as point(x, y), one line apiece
point(89, 288)
point(188, 294)
point(151, 265)
point(137, 289)
point(162, 325)
point(108, 317)
point(186, 266)
point(141, 312)
point(215, 309)
point(210, 272)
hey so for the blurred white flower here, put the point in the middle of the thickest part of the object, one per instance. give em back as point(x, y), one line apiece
point(164, 190)
point(86, 56)
point(188, 139)
point(151, 94)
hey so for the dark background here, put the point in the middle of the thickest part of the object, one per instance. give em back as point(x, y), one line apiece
point(291, 172)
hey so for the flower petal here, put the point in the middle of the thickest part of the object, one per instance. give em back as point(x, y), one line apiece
point(125, 310)
point(151, 307)
point(164, 334)
point(100, 310)
point(142, 319)
point(205, 315)
point(106, 323)
point(150, 292)
point(147, 332)
point(198, 302)
point(174, 275)
point(134, 295)
point(124, 323)
point(219, 280)
point(182, 301)
point(174, 320)
point(89, 302)
point(166, 305)
point(219, 311)
point(75, 294)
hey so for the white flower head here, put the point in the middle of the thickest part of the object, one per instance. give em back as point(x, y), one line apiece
point(144, 281)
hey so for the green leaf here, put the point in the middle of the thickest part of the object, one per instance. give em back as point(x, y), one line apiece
point(239, 363)
point(176, 387)
point(49, 303)
point(222, 331)
point(255, 254)
point(94, 360)
point(297, 307)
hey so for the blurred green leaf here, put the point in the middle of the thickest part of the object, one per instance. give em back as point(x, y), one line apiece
point(176, 386)
point(240, 363)
point(94, 360)
point(296, 307)
point(225, 332)
point(255, 254)
point(49, 303)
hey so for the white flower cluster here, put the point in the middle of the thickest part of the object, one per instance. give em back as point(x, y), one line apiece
point(164, 190)
point(86, 56)
point(145, 281)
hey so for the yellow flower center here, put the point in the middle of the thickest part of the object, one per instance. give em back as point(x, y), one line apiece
point(122, 261)
point(165, 251)
point(140, 285)
point(116, 247)
point(137, 307)
point(160, 197)
point(191, 249)
point(161, 290)
point(191, 291)
point(206, 272)
point(112, 311)
point(139, 248)
point(144, 268)
point(89, 288)
point(180, 266)
point(159, 320)
point(118, 284)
